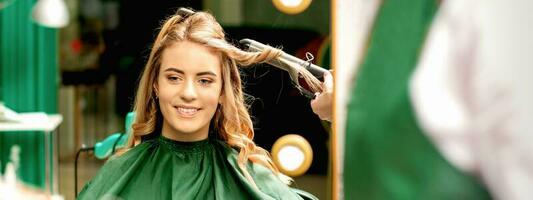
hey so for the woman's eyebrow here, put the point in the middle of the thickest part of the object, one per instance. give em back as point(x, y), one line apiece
point(208, 73)
point(174, 70)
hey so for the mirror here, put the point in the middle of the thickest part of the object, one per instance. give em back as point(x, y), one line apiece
point(105, 47)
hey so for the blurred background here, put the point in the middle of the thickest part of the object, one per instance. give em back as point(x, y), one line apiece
point(87, 71)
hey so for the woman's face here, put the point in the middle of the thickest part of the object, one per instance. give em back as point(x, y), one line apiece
point(189, 89)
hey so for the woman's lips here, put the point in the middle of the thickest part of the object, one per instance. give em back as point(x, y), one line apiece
point(187, 111)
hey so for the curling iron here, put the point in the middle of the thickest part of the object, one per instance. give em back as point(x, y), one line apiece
point(281, 63)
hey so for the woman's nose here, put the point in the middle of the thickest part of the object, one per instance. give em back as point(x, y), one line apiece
point(189, 92)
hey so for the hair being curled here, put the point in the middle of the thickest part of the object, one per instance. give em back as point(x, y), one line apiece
point(232, 121)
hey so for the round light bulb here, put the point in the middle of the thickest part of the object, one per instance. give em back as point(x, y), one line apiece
point(291, 7)
point(291, 157)
point(292, 154)
point(291, 3)
point(51, 13)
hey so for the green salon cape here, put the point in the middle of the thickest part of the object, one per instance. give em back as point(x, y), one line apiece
point(161, 168)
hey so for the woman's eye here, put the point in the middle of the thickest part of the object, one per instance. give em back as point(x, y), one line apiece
point(205, 81)
point(173, 78)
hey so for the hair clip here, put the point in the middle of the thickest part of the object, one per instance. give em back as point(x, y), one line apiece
point(307, 64)
point(185, 13)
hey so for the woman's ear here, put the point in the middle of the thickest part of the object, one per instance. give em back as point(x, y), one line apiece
point(221, 99)
point(155, 89)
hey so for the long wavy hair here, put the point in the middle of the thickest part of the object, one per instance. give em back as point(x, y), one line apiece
point(231, 121)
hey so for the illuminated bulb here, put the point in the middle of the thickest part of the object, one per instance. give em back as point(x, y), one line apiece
point(291, 7)
point(292, 154)
point(51, 13)
point(291, 3)
point(291, 157)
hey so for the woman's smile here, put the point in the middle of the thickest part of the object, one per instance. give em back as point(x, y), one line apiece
point(187, 111)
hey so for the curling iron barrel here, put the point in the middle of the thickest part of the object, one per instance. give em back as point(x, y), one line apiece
point(257, 46)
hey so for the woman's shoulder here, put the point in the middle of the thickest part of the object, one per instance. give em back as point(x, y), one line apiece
point(113, 171)
point(266, 180)
point(231, 154)
point(129, 155)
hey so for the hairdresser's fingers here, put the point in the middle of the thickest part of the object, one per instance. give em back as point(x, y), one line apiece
point(322, 105)
point(328, 82)
point(317, 95)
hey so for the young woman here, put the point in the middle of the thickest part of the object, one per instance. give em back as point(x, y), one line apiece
point(193, 137)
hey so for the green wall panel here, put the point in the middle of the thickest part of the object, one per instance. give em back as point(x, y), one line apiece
point(28, 83)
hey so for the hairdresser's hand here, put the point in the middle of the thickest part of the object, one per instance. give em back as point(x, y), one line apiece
point(323, 102)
